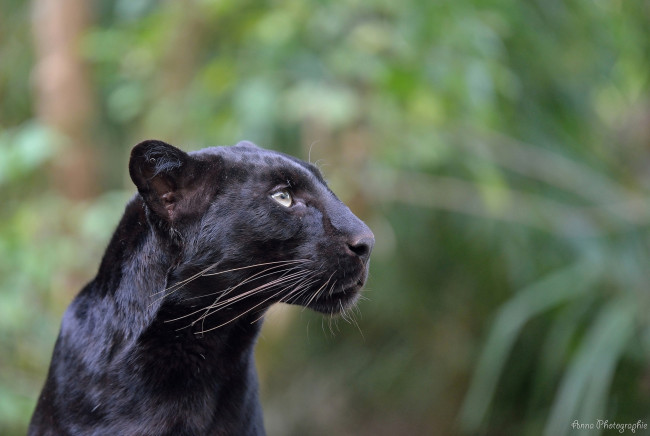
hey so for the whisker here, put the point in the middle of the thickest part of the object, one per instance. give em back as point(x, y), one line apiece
point(284, 262)
point(245, 312)
point(277, 281)
point(343, 313)
point(182, 283)
point(300, 288)
point(256, 276)
point(358, 327)
point(330, 326)
point(281, 281)
point(357, 310)
point(214, 308)
point(331, 291)
point(297, 293)
point(217, 303)
point(318, 291)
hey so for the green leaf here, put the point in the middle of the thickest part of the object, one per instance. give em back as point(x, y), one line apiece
point(583, 393)
point(552, 290)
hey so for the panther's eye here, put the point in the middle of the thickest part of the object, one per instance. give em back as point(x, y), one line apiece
point(283, 197)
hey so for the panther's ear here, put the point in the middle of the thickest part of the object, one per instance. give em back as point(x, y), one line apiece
point(160, 172)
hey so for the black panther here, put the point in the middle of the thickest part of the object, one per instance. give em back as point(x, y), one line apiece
point(161, 341)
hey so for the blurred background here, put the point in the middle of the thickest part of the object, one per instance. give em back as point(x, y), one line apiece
point(500, 151)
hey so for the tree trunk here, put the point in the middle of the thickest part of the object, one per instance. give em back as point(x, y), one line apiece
point(63, 97)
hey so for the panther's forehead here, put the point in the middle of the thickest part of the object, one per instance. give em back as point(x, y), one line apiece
point(248, 155)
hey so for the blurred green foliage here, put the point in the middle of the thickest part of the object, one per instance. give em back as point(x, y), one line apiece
point(498, 149)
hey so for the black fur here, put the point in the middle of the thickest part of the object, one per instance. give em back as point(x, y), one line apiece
point(134, 355)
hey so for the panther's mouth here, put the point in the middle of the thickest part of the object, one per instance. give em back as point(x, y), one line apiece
point(339, 299)
point(353, 288)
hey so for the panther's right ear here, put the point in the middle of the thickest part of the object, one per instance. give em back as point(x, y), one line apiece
point(160, 172)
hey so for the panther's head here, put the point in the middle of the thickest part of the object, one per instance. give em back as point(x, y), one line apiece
point(249, 227)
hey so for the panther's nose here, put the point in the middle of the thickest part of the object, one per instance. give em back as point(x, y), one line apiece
point(356, 235)
point(361, 244)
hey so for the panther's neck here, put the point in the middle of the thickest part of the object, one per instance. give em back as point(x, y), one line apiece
point(134, 276)
point(199, 378)
point(132, 273)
